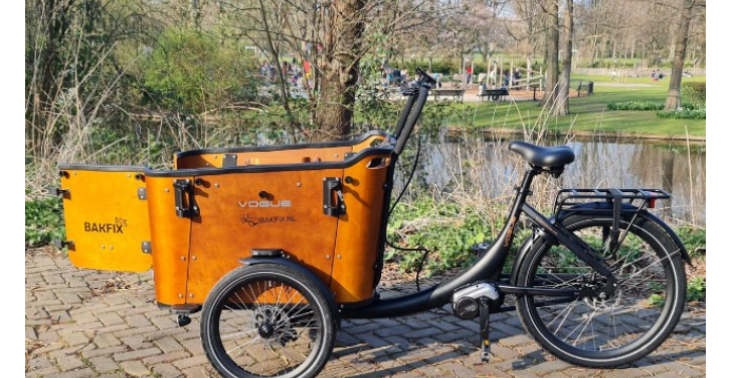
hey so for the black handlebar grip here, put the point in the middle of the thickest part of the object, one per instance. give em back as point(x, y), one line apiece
point(425, 76)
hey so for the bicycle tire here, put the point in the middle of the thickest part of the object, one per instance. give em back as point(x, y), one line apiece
point(541, 259)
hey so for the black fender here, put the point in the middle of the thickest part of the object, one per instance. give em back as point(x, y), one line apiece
point(594, 208)
point(304, 270)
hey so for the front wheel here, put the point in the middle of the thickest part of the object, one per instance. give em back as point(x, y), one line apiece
point(267, 320)
point(613, 331)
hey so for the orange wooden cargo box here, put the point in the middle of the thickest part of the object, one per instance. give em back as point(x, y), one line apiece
point(321, 204)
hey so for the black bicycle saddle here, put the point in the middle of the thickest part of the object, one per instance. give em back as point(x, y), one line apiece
point(546, 157)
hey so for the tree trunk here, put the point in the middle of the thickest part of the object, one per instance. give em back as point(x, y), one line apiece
point(674, 98)
point(342, 52)
point(553, 37)
point(562, 107)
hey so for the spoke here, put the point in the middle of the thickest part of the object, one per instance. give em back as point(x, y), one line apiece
point(649, 266)
point(252, 314)
point(575, 303)
point(241, 346)
point(232, 335)
point(589, 320)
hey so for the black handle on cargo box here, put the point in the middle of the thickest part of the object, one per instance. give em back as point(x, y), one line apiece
point(331, 187)
point(185, 206)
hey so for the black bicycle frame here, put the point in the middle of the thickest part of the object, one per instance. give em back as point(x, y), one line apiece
point(491, 264)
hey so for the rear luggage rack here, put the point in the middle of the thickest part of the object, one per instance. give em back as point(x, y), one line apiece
point(570, 199)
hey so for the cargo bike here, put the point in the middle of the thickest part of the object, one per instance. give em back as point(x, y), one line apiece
point(277, 244)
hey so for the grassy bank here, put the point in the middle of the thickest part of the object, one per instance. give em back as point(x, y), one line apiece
point(589, 113)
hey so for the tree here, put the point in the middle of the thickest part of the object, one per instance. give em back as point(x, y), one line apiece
point(562, 107)
point(342, 53)
point(674, 97)
point(552, 47)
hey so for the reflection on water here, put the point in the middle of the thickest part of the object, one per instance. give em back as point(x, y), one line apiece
point(600, 163)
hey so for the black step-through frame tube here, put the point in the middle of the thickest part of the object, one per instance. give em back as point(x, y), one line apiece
point(486, 267)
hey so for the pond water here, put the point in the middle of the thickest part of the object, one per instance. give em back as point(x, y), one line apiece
point(487, 166)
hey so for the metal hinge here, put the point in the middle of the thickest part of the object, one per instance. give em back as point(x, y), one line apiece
point(142, 193)
point(146, 247)
point(229, 160)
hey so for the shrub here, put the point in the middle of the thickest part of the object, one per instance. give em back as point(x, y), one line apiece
point(683, 113)
point(696, 289)
point(635, 105)
point(696, 92)
point(43, 221)
point(190, 71)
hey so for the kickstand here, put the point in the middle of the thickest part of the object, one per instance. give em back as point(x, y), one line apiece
point(484, 327)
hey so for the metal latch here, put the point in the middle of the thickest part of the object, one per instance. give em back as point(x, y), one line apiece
point(146, 247)
point(142, 193)
point(334, 200)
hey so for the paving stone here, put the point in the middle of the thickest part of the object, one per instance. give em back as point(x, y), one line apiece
point(137, 354)
point(135, 368)
point(50, 371)
point(81, 373)
point(189, 362)
point(104, 364)
point(398, 330)
point(104, 351)
point(166, 371)
point(420, 333)
point(76, 338)
point(110, 318)
point(515, 341)
point(168, 344)
point(166, 357)
point(624, 373)
point(197, 372)
point(106, 340)
point(550, 366)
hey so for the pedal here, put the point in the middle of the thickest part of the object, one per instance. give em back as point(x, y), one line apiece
point(484, 328)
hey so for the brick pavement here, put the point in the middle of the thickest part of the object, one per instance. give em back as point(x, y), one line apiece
point(84, 323)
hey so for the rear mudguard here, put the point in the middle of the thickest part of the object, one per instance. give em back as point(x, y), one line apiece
point(597, 208)
point(301, 268)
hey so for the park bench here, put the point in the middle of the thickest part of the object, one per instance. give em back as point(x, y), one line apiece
point(457, 94)
point(493, 94)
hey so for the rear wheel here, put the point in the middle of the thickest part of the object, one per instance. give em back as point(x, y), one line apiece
point(267, 320)
point(613, 331)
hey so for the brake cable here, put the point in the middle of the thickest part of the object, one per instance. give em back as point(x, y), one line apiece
point(425, 251)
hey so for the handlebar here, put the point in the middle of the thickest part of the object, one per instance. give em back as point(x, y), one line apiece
point(418, 93)
point(425, 76)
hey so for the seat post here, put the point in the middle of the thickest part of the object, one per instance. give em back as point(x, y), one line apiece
point(522, 192)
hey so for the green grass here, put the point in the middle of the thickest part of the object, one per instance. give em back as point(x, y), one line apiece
point(590, 113)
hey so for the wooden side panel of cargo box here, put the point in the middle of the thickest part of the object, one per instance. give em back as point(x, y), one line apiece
point(106, 218)
point(273, 210)
point(170, 241)
point(359, 229)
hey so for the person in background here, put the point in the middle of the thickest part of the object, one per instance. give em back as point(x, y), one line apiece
point(468, 74)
